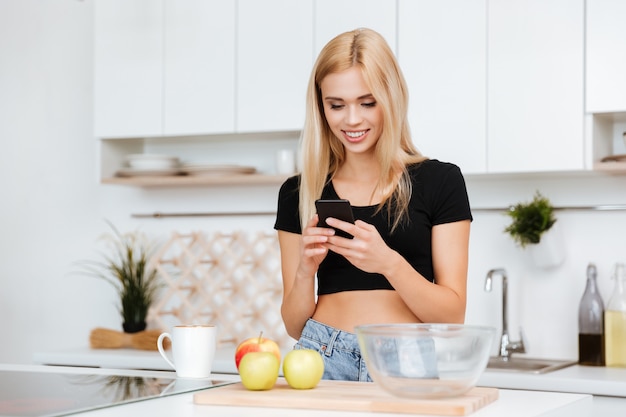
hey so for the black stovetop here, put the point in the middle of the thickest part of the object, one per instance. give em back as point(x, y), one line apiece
point(40, 394)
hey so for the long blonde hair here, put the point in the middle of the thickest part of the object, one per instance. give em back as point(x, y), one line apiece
point(323, 153)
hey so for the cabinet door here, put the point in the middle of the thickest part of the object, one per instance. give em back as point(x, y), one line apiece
point(128, 71)
point(274, 60)
point(442, 51)
point(535, 85)
point(199, 67)
point(335, 17)
point(606, 56)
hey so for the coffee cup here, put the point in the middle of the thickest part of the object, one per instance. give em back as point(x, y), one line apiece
point(193, 349)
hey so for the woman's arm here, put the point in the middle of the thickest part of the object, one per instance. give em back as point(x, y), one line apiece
point(300, 259)
point(443, 301)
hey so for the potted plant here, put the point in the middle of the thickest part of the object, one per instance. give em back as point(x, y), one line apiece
point(128, 269)
point(531, 222)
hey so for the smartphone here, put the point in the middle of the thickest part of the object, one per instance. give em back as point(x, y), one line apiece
point(338, 209)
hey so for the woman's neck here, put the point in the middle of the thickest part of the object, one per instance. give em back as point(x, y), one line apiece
point(357, 180)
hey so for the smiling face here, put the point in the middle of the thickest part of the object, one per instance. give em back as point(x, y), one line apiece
point(351, 110)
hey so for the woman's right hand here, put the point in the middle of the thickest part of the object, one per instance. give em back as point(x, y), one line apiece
point(313, 250)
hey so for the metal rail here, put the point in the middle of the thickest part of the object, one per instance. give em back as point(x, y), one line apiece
point(160, 215)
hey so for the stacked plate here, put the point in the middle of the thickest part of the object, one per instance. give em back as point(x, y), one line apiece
point(150, 165)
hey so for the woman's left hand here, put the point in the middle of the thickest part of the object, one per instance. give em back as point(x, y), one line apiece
point(367, 250)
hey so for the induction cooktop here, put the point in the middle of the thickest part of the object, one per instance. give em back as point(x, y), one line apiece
point(47, 394)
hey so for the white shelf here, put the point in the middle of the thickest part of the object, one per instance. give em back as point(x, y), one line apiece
point(191, 180)
point(606, 136)
point(610, 167)
point(256, 150)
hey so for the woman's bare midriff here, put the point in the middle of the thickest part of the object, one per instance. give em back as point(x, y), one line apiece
point(344, 310)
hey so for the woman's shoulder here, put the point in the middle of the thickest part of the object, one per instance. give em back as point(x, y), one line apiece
point(432, 167)
point(291, 184)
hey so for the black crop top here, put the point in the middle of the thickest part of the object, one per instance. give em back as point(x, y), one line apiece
point(439, 196)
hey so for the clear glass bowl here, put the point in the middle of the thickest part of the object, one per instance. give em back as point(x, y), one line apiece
point(425, 360)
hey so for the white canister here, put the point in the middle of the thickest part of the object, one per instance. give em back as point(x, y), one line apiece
point(285, 162)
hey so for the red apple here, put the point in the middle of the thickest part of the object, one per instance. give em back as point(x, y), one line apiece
point(256, 344)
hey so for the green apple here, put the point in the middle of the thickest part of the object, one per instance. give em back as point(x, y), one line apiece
point(303, 368)
point(259, 370)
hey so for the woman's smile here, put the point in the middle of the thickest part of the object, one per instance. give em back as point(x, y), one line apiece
point(355, 136)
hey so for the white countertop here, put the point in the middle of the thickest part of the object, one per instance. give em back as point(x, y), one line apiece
point(574, 379)
point(511, 403)
point(224, 361)
point(596, 380)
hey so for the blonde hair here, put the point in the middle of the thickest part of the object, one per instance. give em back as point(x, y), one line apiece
point(323, 153)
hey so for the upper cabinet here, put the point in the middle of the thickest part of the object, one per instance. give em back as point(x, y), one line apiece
point(274, 60)
point(333, 17)
point(164, 67)
point(496, 86)
point(443, 55)
point(606, 56)
point(199, 67)
point(535, 85)
point(128, 68)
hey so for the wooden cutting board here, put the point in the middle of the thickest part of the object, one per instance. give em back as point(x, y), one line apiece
point(345, 396)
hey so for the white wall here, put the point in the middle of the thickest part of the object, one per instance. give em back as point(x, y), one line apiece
point(52, 206)
point(544, 301)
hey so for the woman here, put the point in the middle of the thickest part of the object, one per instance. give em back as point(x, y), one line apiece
point(407, 262)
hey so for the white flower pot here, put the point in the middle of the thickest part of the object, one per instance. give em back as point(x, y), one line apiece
point(550, 251)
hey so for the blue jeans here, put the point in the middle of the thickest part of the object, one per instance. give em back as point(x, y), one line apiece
point(339, 349)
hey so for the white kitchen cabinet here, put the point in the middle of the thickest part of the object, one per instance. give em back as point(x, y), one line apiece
point(164, 67)
point(274, 61)
point(199, 67)
point(334, 17)
point(535, 85)
point(443, 53)
point(606, 56)
point(128, 68)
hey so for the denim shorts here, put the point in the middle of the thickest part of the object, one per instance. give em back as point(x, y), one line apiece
point(404, 357)
point(340, 350)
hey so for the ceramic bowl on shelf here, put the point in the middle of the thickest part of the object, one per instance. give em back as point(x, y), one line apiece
point(425, 360)
point(152, 162)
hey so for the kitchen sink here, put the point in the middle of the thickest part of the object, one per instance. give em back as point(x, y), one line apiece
point(527, 365)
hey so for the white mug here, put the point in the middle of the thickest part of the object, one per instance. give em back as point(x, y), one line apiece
point(285, 162)
point(193, 349)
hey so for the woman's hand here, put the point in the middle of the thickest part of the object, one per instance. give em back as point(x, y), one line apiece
point(313, 249)
point(367, 250)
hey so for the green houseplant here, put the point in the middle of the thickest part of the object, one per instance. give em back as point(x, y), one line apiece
point(128, 269)
point(530, 220)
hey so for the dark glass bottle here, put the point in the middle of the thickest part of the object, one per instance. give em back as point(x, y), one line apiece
point(591, 323)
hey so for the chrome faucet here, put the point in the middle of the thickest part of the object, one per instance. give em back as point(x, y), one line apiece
point(507, 347)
